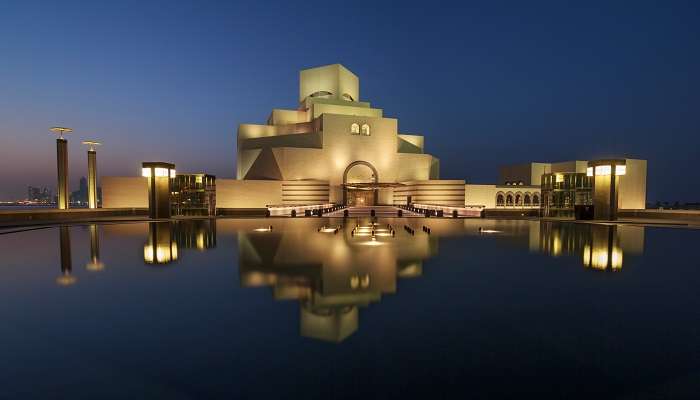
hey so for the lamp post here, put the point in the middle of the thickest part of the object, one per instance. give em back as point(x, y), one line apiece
point(160, 176)
point(92, 172)
point(606, 180)
point(62, 165)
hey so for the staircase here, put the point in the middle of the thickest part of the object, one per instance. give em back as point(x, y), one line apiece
point(366, 211)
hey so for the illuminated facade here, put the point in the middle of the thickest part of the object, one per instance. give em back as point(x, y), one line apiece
point(344, 150)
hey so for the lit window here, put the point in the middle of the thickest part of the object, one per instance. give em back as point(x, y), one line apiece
point(603, 170)
point(589, 171)
point(172, 173)
point(560, 178)
point(146, 172)
point(365, 129)
point(355, 129)
point(620, 169)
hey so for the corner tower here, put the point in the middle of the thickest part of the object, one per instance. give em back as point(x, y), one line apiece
point(329, 82)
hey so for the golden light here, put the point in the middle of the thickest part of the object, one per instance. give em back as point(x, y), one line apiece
point(560, 178)
point(60, 130)
point(92, 144)
point(148, 253)
point(146, 172)
point(66, 280)
point(95, 266)
point(603, 170)
point(173, 174)
point(589, 171)
point(620, 170)
point(161, 172)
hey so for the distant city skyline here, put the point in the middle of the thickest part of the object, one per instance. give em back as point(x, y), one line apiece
point(171, 82)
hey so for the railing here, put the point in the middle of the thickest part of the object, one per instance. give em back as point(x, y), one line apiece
point(293, 210)
point(446, 211)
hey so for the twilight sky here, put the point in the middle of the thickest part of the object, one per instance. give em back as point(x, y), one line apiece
point(487, 83)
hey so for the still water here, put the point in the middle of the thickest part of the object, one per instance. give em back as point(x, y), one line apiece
point(333, 308)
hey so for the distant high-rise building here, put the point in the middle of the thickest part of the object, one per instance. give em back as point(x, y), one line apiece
point(38, 195)
point(80, 196)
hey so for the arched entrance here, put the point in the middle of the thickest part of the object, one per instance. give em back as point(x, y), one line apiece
point(357, 184)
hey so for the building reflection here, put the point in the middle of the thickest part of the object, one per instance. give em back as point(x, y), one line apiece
point(330, 271)
point(601, 247)
point(95, 264)
point(66, 278)
point(166, 240)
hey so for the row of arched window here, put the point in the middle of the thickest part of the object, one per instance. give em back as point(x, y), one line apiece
point(517, 199)
point(356, 129)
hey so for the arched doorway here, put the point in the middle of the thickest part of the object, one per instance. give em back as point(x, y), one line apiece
point(358, 188)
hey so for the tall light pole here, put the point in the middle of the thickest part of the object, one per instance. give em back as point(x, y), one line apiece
point(92, 172)
point(62, 163)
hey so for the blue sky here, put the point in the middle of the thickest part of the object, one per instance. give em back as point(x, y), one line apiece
point(487, 83)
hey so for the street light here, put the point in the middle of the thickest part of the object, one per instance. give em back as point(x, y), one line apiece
point(92, 172)
point(62, 165)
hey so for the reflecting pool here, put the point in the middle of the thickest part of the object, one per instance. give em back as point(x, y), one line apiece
point(334, 308)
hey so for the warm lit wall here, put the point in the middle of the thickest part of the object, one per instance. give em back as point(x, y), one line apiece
point(480, 195)
point(633, 186)
point(413, 167)
point(284, 117)
point(124, 192)
point(333, 78)
point(439, 192)
point(233, 193)
point(305, 192)
point(348, 108)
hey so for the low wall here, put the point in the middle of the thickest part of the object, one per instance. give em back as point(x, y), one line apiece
point(124, 192)
point(23, 217)
point(511, 212)
point(436, 192)
point(676, 215)
point(235, 193)
point(242, 212)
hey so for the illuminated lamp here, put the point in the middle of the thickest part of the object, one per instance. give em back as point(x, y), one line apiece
point(159, 176)
point(62, 166)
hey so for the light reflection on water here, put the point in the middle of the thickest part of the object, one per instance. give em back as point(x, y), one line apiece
point(477, 277)
point(330, 270)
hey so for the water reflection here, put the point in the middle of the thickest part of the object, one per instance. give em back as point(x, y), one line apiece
point(161, 247)
point(95, 264)
point(66, 278)
point(331, 271)
point(167, 239)
point(601, 247)
point(332, 268)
